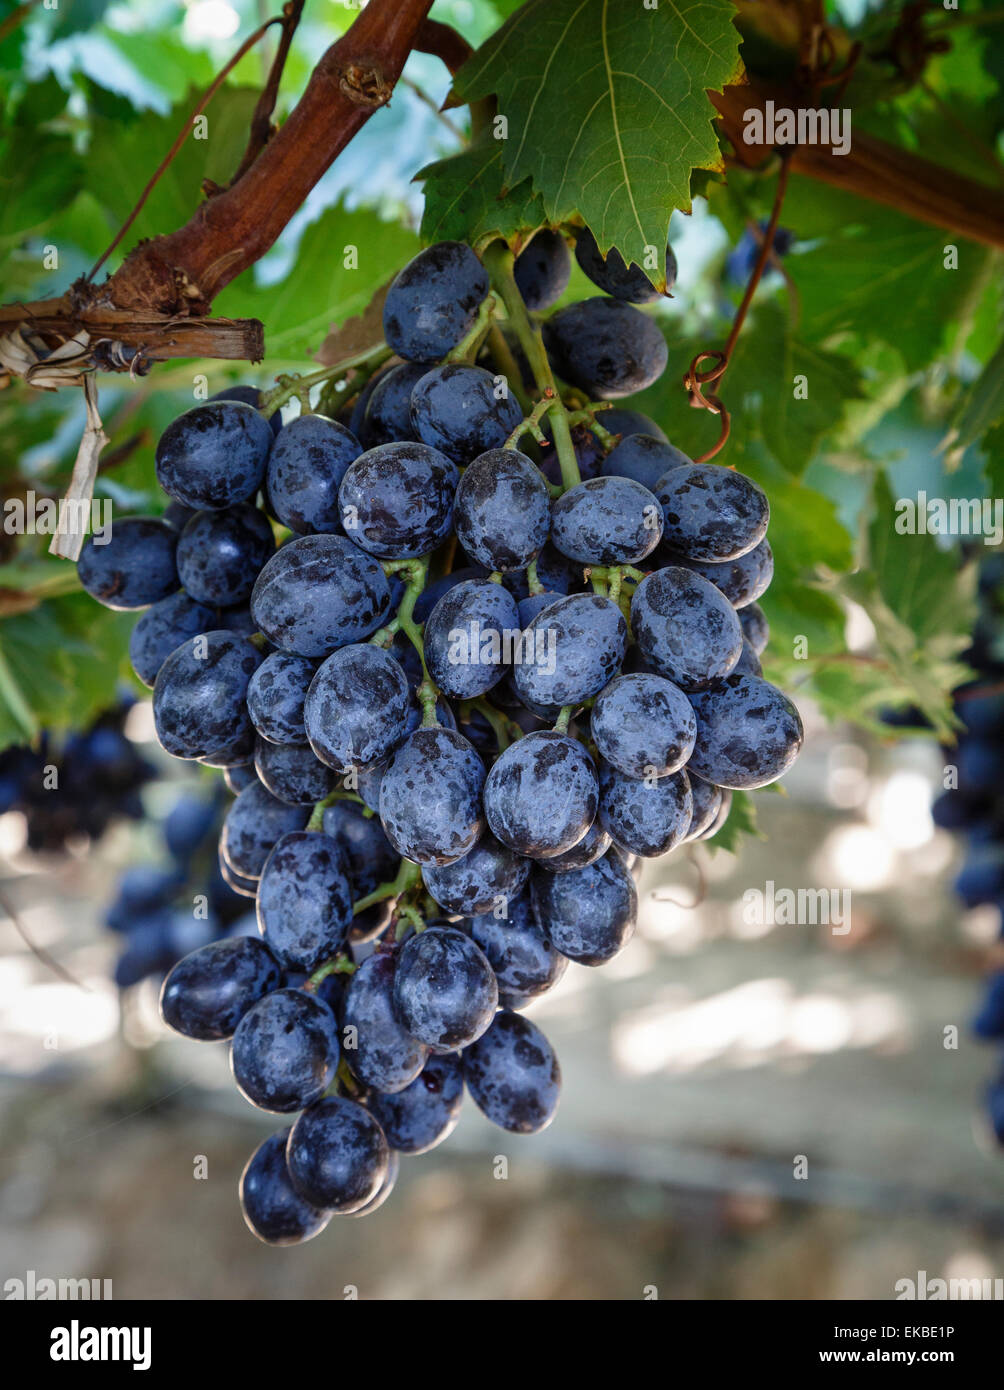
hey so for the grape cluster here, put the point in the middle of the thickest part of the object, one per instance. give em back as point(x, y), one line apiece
point(453, 709)
point(164, 913)
point(78, 788)
point(975, 806)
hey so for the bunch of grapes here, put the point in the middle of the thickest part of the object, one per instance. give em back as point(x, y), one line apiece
point(975, 806)
point(78, 789)
point(460, 700)
point(165, 913)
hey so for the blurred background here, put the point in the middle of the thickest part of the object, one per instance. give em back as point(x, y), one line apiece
point(751, 1109)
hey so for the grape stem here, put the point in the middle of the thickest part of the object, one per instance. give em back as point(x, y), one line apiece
point(499, 261)
point(467, 349)
point(531, 425)
point(293, 384)
point(533, 582)
point(506, 730)
point(408, 915)
point(344, 1080)
point(407, 876)
point(586, 415)
point(317, 814)
point(561, 723)
point(417, 572)
point(502, 356)
point(337, 965)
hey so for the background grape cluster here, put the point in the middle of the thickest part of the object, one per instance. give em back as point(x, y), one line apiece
point(456, 704)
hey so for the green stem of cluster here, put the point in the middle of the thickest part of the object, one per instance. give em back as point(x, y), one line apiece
point(561, 723)
point(333, 397)
point(467, 349)
point(317, 814)
point(502, 356)
point(499, 259)
point(532, 580)
point(337, 965)
point(531, 423)
point(408, 875)
point(417, 572)
point(344, 1080)
point(587, 416)
point(406, 916)
point(293, 384)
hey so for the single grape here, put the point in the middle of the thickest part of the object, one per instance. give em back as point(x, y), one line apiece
point(385, 1188)
point(221, 552)
point(251, 827)
point(237, 883)
point(430, 797)
point(239, 777)
point(249, 395)
point(755, 626)
point(337, 1155)
point(643, 457)
point(502, 510)
point(748, 663)
point(444, 989)
point(540, 797)
point(593, 845)
point(613, 275)
point(214, 454)
point(606, 348)
point(723, 811)
point(318, 593)
point(357, 416)
point(706, 804)
point(542, 269)
point(285, 1051)
point(305, 470)
point(426, 1112)
point(643, 725)
point(589, 453)
point(198, 697)
point(292, 772)
point(396, 500)
point(590, 913)
point(176, 514)
point(647, 818)
point(273, 1210)
point(529, 607)
point(712, 512)
point(369, 857)
point(742, 580)
point(304, 900)
point(276, 694)
point(607, 521)
point(513, 1075)
point(748, 733)
point(356, 707)
point(626, 422)
point(576, 645)
point(518, 950)
point(463, 411)
point(385, 1055)
point(187, 825)
point(469, 638)
point(433, 301)
point(210, 990)
point(388, 414)
point(134, 568)
point(685, 628)
point(162, 629)
point(488, 875)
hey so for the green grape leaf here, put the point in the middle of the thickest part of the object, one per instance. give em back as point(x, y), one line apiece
point(343, 259)
point(77, 16)
point(983, 405)
point(740, 825)
point(39, 175)
point(465, 199)
point(606, 108)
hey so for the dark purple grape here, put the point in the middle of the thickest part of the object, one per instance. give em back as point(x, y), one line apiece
point(513, 1075)
point(469, 636)
point(293, 772)
point(396, 500)
point(305, 470)
point(712, 512)
point(221, 552)
point(593, 845)
point(237, 883)
point(304, 900)
point(380, 1052)
point(755, 626)
point(249, 395)
point(540, 797)
point(433, 301)
point(590, 913)
point(210, 990)
point(214, 455)
point(607, 521)
point(319, 593)
point(613, 275)
point(276, 694)
point(487, 876)
point(647, 818)
point(285, 1051)
point(589, 453)
point(643, 725)
point(685, 628)
point(385, 1188)
point(369, 857)
point(542, 269)
point(723, 810)
point(626, 422)
point(176, 514)
point(748, 663)
point(430, 797)
point(577, 645)
point(742, 580)
point(518, 950)
point(337, 1155)
point(463, 411)
point(251, 827)
point(162, 629)
point(356, 707)
point(134, 567)
point(643, 457)
point(748, 733)
point(388, 414)
point(706, 804)
point(444, 989)
point(240, 776)
point(273, 1210)
point(425, 1113)
point(502, 510)
point(606, 348)
point(199, 694)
